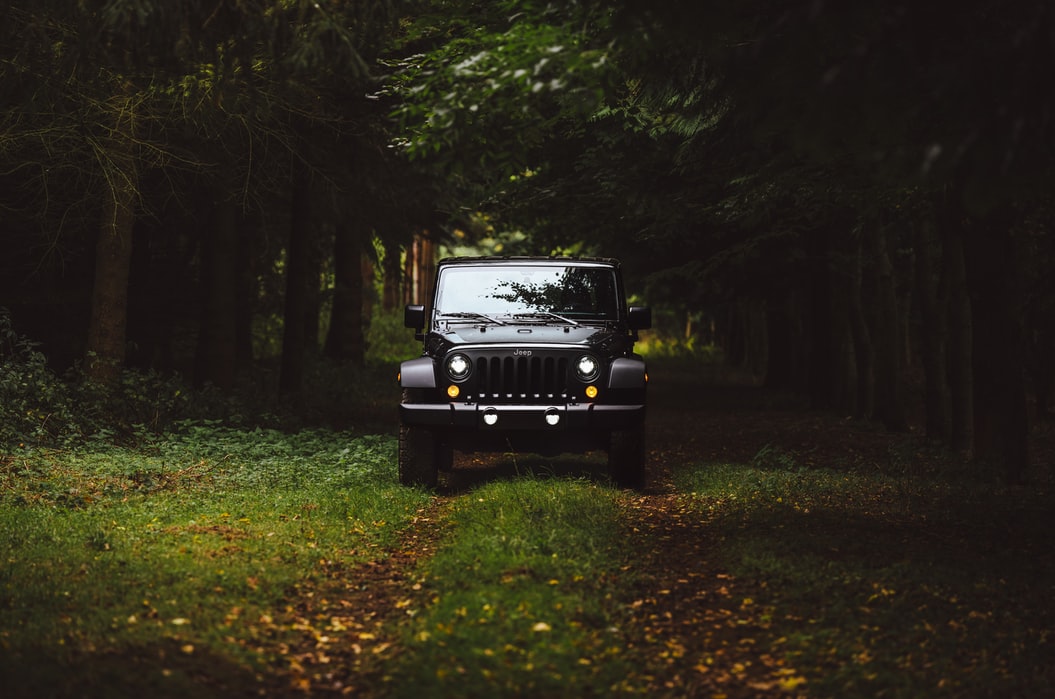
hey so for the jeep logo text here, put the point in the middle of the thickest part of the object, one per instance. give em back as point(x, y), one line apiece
point(521, 353)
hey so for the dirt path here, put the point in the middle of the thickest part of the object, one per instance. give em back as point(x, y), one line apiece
point(698, 627)
point(343, 623)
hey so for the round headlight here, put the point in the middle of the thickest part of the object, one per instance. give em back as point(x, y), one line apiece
point(587, 368)
point(458, 367)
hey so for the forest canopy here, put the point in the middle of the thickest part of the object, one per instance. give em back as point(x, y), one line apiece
point(850, 200)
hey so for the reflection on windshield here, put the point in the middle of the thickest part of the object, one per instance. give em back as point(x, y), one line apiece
point(573, 292)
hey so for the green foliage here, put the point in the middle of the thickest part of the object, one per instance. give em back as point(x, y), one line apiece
point(387, 341)
point(874, 585)
point(485, 96)
point(211, 552)
point(35, 406)
point(40, 408)
point(655, 346)
point(770, 457)
point(186, 549)
point(523, 598)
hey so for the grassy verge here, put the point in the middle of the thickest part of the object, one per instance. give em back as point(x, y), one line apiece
point(874, 586)
point(184, 569)
point(132, 572)
point(523, 599)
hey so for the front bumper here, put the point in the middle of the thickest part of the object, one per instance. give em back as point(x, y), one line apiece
point(517, 417)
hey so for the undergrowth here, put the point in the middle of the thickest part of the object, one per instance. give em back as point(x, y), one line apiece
point(895, 586)
point(523, 598)
point(180, 551)
point(42, 408)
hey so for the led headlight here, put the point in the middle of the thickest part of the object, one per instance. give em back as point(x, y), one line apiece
point(587, 368)
point(458, 367)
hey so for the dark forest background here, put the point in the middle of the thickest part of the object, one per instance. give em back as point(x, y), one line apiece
point(853, 201)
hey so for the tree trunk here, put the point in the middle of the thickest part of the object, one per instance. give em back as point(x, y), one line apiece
point(780, 346)
point(217, 338)
point(819, 328)
point(317, 249)
point(734, 344)
point(843, 372)
point(787, 346)
point(113, 252)
point(420, 269)
point(864, 353)
point(345, 341)
point(959, 348)
point(931, 290)
point(248, 234)
point(392, 269)
point(1000, 410)
point(889, 406)
point(298, 253)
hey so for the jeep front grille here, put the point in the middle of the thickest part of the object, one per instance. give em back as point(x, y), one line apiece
point(522, 378)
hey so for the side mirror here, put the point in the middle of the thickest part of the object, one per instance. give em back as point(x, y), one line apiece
point(639, 317)
point(414, 316)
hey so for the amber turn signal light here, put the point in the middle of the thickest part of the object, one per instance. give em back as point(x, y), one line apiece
point(591, 391)
point(453, 391)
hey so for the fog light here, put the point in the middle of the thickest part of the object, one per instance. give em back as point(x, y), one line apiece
point(552, 416)
point(591, 391)
point(490, 416)
point(453, 391)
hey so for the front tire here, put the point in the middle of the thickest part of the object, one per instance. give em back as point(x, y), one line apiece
point(626, 458)
point(418, 452)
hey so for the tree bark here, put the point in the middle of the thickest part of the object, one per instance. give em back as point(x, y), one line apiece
point(298, 252)
point(1001, 422)
point(779, 345)
point(820, 325)
point(787, 350)
point(248, 235)
point(345, 341)
point(864, 353)
point(889, 406)
point(107, 330)
point(217, 338)
point(843, 371)
point(317, 249)
point(932, 292)
point(961, 333)
point(392, 284)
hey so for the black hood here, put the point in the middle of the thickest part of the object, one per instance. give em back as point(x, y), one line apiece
point(597, 338)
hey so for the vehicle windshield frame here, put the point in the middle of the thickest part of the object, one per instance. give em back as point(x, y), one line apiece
point(533, 291)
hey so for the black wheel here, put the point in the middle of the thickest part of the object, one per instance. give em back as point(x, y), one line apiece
point(626, 458)
point(418, 457)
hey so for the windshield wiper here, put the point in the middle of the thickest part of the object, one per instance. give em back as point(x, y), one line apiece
point(469, 315)
point(545, 314)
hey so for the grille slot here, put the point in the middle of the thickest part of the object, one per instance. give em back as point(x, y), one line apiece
point(522, 378)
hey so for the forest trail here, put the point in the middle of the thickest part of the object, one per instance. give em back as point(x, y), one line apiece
point(694, 622)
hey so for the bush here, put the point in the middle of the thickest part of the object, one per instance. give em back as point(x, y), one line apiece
point(655, 346)
point(41, 408)
point(35, 405)
point(387, 341)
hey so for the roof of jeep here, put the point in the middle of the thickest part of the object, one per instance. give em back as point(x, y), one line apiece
point(528, 259)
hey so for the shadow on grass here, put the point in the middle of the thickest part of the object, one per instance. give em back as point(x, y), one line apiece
point(472, 470)
point(950, 600)
point(165, 670)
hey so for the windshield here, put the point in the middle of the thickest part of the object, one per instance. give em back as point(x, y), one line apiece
point(582, 293)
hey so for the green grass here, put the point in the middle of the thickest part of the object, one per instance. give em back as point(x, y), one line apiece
point(174, 558)
point(523, 597)
point(878, 586)
point(172, 569)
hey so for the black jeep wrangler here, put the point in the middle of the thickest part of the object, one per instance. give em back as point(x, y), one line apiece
point(532, 354)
